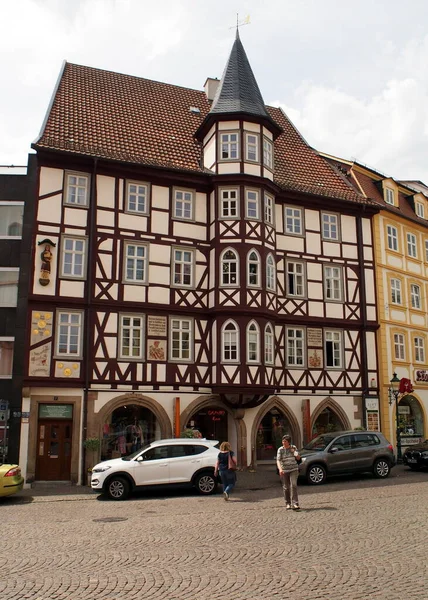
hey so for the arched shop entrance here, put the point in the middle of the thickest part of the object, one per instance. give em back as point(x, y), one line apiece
point(410, 420)
point(127, 429)
point(211, 421)
point(329, 416)
point(271, 428)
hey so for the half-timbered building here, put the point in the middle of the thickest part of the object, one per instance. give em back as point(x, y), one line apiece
point(195, 265)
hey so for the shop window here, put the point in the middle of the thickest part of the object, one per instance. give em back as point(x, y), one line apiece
point(269, 434)
point(212, 423)
point(326, 422)
point(410, 418)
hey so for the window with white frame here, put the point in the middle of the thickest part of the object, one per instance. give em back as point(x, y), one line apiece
point(73, 257)
point(399, 346)
point(229, 342)
point(11, 219)
point(229, 204)
point(181, 339)
point(269, 344)
point(183, 204)
point(229, 146)
point(137, 197)
point(411, 245)
point(69, 334)
point(136, 262)
point(183, 267)
point(396, 291)
point(270, 273)
point(131, 337)
point(419, 349)
point(6, 357)
point(415, 295)
point(229, 268)
point(252, 204)
point(77, 189)
point(333, 283)
point(267, 153)
point(295, 279)
point(253, 269)
point(252, 147)
point(9, 277)
point(330, 226)
point(293, 220)
point(269, 208)
point(295, 347)
point(389, 196)
point(420, 210)
point(333, 349)
point(253, 343)
point(392, 237)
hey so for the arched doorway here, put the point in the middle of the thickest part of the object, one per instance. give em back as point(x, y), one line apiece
point(128, 428)
point(211, 422)
point(271, 425)
point(410, 419)
point(329, 416)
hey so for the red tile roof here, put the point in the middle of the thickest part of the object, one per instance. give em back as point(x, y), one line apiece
point(131, 119)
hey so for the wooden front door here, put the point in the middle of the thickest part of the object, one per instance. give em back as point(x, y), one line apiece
point(54, 450)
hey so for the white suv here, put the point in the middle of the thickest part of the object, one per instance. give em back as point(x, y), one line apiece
point(175, 461)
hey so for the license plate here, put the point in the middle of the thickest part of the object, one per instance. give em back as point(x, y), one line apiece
point(412, 460)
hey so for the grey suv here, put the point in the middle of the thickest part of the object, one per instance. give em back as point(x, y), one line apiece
point(343, 452)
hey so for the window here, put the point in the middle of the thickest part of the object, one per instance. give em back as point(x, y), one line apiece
point(269, 205)
point(269, 344)
point(411, 245)
point(252, 204)
point(363, 440)
point(419, 349)
point(9, 286)
point(229, 344)
point(295, 340)
point(399, 346)
point(181, 335)
point(295, 279)
point(229, 268)
point(392, 237)
point(389, 196)
point(253, 343)
point(183, 204)
point(229, 204)
point(330, 226)
point(415, 295)
point(131, 336)
point(267, 154)
point(6, 357)
point(11, 219)
point(395, 291)
point(137, 198)
point(333, 349)
point(270, 273)
point(136, 262)
point(253, 273)
point(426, 250)
point(73, 257)
point(69, 334)
point(293, 220)
point(183, 267)
point(343, 443)
point(420, 210)
point(252, 147)
point(333, 283)
point(229, 146)
point(77, 189)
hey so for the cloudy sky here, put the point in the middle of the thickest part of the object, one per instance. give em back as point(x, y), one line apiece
point(352, 76)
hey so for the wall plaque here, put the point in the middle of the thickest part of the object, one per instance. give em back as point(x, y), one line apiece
point(156, 350)
point(314, 337)
point(315, 359)
point(156, 326)
point(40, 361)
point(41, 326)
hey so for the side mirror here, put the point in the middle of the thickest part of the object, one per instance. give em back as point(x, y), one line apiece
point(334, 450)
point(140, 458)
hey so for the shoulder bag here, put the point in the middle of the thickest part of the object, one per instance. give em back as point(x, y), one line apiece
point(231, 464)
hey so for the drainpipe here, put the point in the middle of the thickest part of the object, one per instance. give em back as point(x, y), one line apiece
point(363, 304)
point(87, 320)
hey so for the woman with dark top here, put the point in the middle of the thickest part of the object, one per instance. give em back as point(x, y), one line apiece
point(228, 476)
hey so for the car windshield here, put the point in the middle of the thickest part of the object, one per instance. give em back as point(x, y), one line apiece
point(320, 443)
point(134, 454)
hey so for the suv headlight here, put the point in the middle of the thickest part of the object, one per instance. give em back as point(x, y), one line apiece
point(101, 469)
point(303, 458)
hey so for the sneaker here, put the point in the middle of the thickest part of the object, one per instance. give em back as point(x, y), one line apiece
point(226, 496)
point(296, 507)
point(288, 507)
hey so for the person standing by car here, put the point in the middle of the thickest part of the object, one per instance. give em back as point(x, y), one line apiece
point(226, 466)
point(287, 462)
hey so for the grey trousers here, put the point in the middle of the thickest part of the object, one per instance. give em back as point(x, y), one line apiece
point(289, 485)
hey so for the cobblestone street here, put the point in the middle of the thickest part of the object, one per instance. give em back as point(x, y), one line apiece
point(355, 539)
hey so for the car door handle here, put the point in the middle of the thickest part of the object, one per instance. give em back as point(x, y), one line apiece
point(197, 460)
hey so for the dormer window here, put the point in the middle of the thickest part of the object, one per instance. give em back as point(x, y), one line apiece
point(420, 210)
point(252, 147)
point(389, 196)
point(229, 143)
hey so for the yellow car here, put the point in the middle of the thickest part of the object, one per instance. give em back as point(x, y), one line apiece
point(11, 480)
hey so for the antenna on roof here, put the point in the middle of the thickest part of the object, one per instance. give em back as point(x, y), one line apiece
point(241, 23)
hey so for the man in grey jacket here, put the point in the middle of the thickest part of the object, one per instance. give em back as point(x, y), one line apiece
point(286, 460)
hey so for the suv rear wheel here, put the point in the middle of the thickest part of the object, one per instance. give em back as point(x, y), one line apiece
point(118, 488)
point(205, 483)
point(316, 475)
point(381, 468)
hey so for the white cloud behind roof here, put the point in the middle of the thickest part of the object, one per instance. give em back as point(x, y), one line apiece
point(352, 77)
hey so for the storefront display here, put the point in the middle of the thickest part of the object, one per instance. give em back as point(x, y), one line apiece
point(269, 434)
point(410, 420)
point(128, 429)
point(211, 422)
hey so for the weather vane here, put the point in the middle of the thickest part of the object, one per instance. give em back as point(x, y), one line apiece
point(239, 23)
